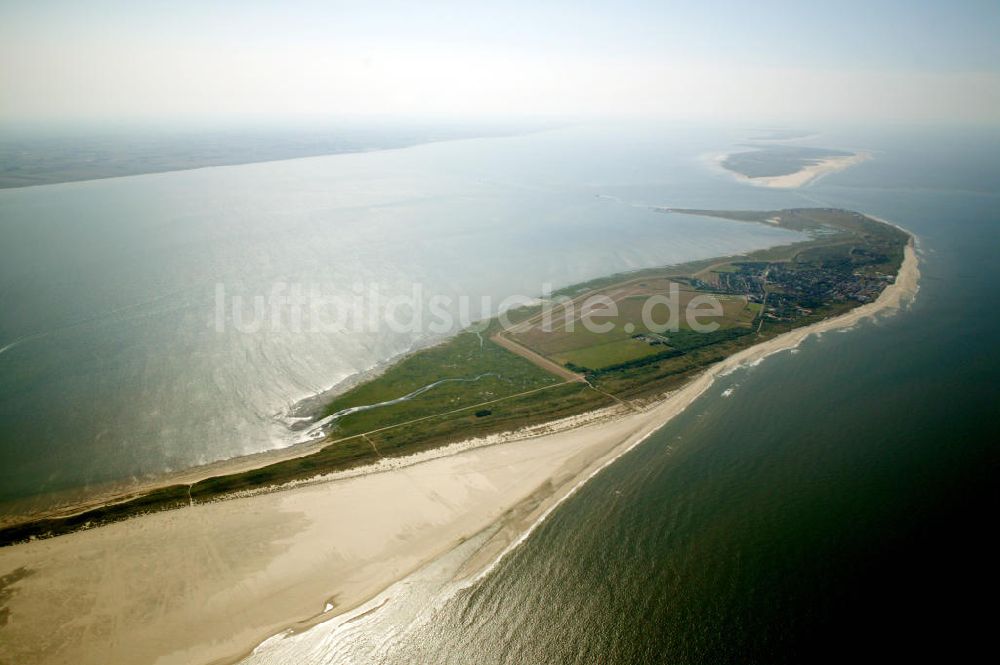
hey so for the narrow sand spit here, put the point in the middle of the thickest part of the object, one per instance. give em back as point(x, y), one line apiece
point(208, 583)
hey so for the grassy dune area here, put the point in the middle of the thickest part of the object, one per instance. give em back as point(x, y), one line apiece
point(468, 370)
point(471, 386)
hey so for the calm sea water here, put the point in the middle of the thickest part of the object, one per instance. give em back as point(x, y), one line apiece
point(837, 506)
point(113, 365)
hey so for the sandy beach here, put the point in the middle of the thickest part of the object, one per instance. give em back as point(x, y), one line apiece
point(811, 173)
point(206, 584)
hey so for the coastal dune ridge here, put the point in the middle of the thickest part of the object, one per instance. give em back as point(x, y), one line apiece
point(209, 583)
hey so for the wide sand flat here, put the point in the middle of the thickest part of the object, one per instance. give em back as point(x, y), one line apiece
point(208, 583)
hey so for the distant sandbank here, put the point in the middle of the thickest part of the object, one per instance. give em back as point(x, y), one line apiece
point(807, 174)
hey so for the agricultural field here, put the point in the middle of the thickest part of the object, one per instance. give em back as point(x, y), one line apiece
point(632, 321)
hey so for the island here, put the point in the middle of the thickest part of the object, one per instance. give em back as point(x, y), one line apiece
point(788, 166)
point(522, 373)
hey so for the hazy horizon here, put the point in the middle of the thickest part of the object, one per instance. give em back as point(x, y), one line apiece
point(263, 62)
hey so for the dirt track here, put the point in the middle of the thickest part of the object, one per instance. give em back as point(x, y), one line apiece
point(541, 361)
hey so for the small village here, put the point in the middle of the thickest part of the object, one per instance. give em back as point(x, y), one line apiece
point(790, 290)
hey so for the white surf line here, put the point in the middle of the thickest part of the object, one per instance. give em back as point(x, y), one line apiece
point(751, 357)
point(891, 302)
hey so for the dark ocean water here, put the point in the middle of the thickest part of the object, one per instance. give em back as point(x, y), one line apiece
point(838, 506)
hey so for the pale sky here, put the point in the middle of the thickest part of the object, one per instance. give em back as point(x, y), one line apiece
point(896, 61)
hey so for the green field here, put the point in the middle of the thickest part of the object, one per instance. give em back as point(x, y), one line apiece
point(475, 370)
point(629, 339)
point(608, 353)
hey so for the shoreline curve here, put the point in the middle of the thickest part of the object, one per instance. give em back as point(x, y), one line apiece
point(320, 550)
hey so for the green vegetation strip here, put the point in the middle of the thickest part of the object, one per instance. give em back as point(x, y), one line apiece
point(469, 386)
